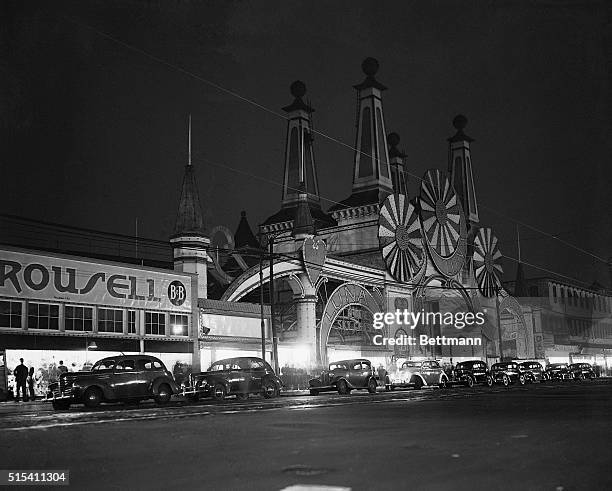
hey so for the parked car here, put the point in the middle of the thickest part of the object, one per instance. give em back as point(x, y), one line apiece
point(534, 372)
point(345, 376)
point(507, 372)
point(473, 372)
point(559, 371)
point(418, 374)
point(240, 376)
point(116, 378)
point(581, 371)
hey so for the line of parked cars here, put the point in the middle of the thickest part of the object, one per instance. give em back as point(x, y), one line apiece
point(134, 378)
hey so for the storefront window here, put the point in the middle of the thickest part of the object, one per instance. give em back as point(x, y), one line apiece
point(10, 314)
point(155, 323)
point(110, 320)
point(43, 316)
point(131, 322)
point(78, 318)
point(179, 324)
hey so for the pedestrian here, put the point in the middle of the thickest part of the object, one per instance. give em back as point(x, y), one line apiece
point(31, 383)
point(382, 375)
point(21, 376)
point(62, 368)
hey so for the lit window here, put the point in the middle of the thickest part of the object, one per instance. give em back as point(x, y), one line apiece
point(179, 324)
point(131, 322)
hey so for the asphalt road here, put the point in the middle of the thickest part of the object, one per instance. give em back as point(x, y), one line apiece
point(547, 436)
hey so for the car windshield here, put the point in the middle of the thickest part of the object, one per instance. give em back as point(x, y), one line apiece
point(464, 364)
point(337, 366)
point(411, 364)
point(558, 365)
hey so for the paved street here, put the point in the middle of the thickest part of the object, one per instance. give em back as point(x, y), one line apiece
point(548, 436)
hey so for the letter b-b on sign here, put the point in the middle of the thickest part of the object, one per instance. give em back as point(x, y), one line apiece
point(177, 293)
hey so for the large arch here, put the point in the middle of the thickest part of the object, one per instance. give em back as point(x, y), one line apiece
point(346, 295)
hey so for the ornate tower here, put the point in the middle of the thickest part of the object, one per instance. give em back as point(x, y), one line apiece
point(300, 167)
point(189, 241)
point(303, 223)
point(460, 169)
point(398, 175)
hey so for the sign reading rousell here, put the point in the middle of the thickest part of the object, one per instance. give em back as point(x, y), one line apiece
point(41, 277)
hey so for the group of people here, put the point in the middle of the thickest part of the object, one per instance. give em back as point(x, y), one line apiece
point(25, 380)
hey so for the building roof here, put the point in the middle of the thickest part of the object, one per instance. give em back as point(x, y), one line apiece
point(244, 235)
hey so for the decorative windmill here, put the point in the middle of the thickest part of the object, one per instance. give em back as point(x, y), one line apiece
point(401, 239)
point(443, 223)
point(487, 262)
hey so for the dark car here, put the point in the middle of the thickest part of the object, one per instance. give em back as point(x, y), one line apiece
point(345, 376)
point(582, 371)
point(238, 376)
point(559, 371)
point(534, 372)
point(472, 372)
point(507, 372)
point(116, 378)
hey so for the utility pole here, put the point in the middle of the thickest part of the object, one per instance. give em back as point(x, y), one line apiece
point(272, 324)
point(261, 305)
point(499, 331)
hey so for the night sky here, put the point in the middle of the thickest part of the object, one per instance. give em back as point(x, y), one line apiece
point(95, 135)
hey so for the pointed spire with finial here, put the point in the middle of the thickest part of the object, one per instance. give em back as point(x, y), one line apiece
point(460, 169)
point(189, 219)
point(303, 224)
point(244, 237)
point(371, 170)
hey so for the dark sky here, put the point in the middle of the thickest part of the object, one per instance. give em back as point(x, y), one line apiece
point(94, 134)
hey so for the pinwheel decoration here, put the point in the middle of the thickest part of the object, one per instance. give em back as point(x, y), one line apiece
point(487, 262)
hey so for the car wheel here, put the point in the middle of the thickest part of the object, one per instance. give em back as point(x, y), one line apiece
point(164, 393)
point(269, 389)
point(505, 380)
point(93, 397)
point(219, 392)
point(521, 379)
point(469, 382)
point(314, 392)
point(343, 388)
point(418, 383)
point(61, 405)
point(581, 376)
point(444, 383)
point(372, 386)
point(489, 381)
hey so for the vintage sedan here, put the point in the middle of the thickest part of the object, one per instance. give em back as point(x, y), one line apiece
point(344, 376)
point(418, 374)
point(129, 378)
point(582, 371)
point(240, 376)
point(507, 372)
point(534, 372)
point(473, 372)
point(559, 371)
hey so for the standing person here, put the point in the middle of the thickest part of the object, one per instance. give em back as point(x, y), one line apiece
point(62, 368)
point(31, 383)
point(382, 375)
point(21, 376)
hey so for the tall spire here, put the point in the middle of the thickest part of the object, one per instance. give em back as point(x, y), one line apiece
point(460, 169)
point(299, 157)
point(398, 174)
point(189, 218)
point(371, 165)
point(189, 150)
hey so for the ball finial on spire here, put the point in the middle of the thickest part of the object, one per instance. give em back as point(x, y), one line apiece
point(370, 66)
point(298, 88)
point(393, 139)
point(460, 122)
point(243, 214)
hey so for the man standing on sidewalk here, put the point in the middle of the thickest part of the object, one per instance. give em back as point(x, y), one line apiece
point(21, 376)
